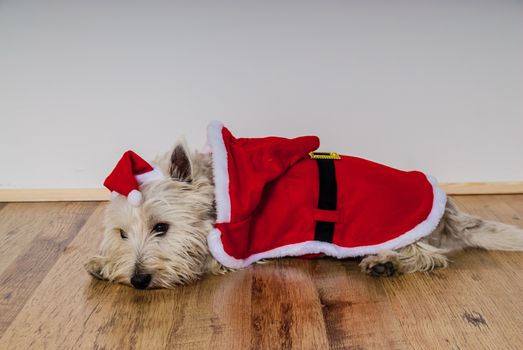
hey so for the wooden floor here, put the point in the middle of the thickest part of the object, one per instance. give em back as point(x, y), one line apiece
point(48, 301)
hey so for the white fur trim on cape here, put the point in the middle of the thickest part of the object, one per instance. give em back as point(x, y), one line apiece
point(315, 247)
point(220, 171)
point(155, 174)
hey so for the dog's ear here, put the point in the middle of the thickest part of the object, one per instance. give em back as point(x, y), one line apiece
point(181, 165)
point(95, 265)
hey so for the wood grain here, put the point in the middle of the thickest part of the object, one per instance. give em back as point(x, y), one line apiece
point(356, 310)
point(286, 304)
point(21, 222)
point(53, 233)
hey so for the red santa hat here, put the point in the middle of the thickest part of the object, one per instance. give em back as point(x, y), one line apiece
point(129, 173)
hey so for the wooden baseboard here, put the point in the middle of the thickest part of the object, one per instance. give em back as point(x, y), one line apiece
point(457, 188)
point(101, 194)
point(54, 195)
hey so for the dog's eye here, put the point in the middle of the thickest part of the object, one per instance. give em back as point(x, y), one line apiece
point(160, 229)
point(123, 234)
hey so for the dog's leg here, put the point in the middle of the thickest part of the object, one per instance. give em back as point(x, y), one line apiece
point(459, 230)
point(415, 257)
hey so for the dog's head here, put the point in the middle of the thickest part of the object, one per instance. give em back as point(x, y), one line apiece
point(162, 242)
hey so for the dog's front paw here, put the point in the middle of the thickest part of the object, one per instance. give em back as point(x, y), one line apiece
point(379, 266)
point(94, 266)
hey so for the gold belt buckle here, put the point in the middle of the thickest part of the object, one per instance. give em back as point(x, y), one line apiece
point(324, 155)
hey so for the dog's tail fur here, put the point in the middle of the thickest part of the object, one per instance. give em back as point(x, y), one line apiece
point(461, 230)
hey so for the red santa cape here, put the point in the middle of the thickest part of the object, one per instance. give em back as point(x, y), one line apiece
point(267, 194)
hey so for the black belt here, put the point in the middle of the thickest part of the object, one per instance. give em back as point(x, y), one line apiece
point(328, 193)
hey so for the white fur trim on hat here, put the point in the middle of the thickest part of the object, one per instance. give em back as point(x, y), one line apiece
point(155, 174)
point(135, 198)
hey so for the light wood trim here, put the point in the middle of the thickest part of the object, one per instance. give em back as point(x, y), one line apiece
point(101, 194)
point(483, 187)
point(54, 195)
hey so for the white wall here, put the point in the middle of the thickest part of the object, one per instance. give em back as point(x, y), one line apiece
point(432, 85)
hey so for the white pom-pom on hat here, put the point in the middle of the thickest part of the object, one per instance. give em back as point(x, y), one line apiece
point(135, 198)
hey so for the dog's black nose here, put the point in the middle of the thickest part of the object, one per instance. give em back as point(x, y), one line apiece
point(141, 281)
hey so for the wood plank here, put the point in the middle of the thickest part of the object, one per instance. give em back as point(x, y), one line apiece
point(457, 309)
point(59, 297)
point(102, 194)
point(488, 277)
point(20, 223)
point(288, 304)
point(355, 308)
point(53, 234)
point(285, 310)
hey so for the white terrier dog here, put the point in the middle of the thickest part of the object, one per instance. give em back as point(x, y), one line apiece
point(164, 241)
